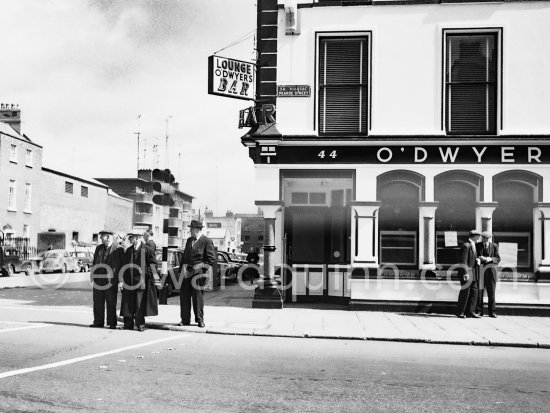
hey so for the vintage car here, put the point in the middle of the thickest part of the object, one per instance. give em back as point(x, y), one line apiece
point(229, 267)
point(175, 261)
point(84, 260)
point(11, 262)
point(59, 260)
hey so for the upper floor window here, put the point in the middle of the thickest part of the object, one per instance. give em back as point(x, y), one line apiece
point(84, 191)
point(68, 187)
point(13, 153)
point(29, 158)
point(28, 197)
point(343, 85)
point(12, 205)
point(471, 82)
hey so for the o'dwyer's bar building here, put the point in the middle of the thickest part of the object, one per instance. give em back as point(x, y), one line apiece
point(386, 130)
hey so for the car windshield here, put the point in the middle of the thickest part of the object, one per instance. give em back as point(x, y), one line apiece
point(233, 257)
point(52, 255)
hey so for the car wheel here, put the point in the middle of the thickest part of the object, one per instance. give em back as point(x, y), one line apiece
point(11, 271)
point(28, 270)
point(76, 268)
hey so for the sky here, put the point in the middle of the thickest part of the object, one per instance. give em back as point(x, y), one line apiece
point(82, 71)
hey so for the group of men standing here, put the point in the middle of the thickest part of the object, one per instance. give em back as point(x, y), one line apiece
point(132, 270)
point(477, 272)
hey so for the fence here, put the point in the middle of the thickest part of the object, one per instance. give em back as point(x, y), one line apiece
point(22, 245)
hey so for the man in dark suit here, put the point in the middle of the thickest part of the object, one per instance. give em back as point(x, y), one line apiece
point(488, 275)
point(198, 257)
point(104, 276)
point(468, 277)
point(148, 238)
point(139, 294)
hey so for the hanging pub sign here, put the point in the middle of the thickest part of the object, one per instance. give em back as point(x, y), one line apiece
point(231, 78)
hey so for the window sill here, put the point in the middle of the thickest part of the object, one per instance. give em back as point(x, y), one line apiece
point(12, 210)
point(26, 211)
point(29, 166)
point(12, 161)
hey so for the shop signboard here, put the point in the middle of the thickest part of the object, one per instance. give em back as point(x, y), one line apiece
point(231, 78)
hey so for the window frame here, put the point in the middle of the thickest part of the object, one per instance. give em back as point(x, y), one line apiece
point(367, 34)
point(14, 152)
point(28, 198)
point(67, 186)
point(84, 191)
point(29, 158)
point(499, 104)
point(12, 196)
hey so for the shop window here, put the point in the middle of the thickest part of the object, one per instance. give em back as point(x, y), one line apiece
point(516, 192)
point(471, 82)
point(398, 225)
point(317, 231)
point(398, 247)
point(343, 85)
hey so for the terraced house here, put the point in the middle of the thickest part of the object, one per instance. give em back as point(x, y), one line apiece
point(385, 130)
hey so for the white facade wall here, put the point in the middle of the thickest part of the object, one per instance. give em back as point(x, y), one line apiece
point(407, 47)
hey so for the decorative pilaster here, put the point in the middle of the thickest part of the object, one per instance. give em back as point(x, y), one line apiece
point(542, 241)
point(268, 294)
point(426, 235)
point(484, 215)
point(364, 234)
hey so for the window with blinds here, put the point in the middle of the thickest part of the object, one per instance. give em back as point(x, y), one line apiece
point(343, 85)
point(471, 64)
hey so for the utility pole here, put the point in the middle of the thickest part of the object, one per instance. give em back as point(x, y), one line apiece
point(179, 167)
point(137, 133)
point(166, 160)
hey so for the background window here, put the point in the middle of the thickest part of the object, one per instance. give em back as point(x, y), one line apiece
point(68, 187)
point(471, 83)
point(84, 191)
point(28, 199)
point(11, 196)
point(13, 153)
point(343, 77)
point(29, 158)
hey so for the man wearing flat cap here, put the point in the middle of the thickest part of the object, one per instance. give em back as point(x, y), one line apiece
point(104, 276)
point(468, 277)
point(198, 257)
point(489, 257)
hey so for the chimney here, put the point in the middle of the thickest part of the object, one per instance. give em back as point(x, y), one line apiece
point(11, 114)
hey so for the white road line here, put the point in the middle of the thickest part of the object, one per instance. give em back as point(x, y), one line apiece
point(84, 358)
point(9, 330)
point(57, 310)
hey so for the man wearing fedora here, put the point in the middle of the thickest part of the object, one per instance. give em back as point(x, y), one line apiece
point(489, 258)
point(104, 276)
point(468, 277)
point(198, 257)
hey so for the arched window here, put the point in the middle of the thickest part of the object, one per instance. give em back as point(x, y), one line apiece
point(400, 192)
point(516, 192)
point(457, 193)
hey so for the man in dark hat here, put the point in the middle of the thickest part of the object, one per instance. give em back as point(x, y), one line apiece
point(468, 277)
point(104, 276)
point(489, 258)
point(139, 294)
point(198, 257)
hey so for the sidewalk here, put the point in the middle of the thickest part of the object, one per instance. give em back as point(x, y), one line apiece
point(230, 312)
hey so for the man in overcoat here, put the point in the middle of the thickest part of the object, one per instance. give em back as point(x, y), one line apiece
point(139, 295)
point(198, 258)
point(488, 275)
point(104, 276)
point(468, 277)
